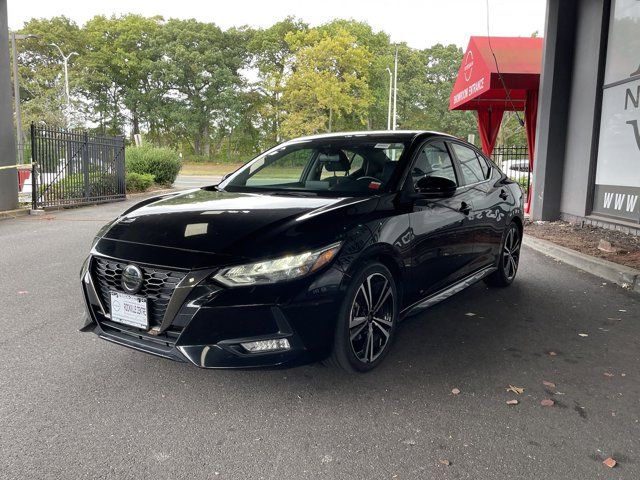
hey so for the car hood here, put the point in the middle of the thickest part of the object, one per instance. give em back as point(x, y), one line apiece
point(248, 225)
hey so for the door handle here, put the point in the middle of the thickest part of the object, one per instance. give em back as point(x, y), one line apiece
point(465, 208)
point(503, 194)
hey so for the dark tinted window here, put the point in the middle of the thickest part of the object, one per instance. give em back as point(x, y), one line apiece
point(474, 169)
point(433, 161)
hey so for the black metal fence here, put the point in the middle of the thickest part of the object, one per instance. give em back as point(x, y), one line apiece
point(514, 162)
point(75, 167)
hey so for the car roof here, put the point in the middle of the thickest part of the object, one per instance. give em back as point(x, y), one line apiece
point(400, 135)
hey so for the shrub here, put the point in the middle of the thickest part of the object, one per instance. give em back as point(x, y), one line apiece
point(163, 163)
point(138, 182)
point(72, 186)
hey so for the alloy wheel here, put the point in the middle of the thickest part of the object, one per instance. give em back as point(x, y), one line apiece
point(371, 319)
point(511, 253)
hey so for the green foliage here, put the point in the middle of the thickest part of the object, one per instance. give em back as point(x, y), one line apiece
point(40, 69)
point(272, 56)
point(511, 132)
point(226, 95)
point(427, 77)
point(330, 84)
point(163, 163)
point(138, 182)
point(72, 186)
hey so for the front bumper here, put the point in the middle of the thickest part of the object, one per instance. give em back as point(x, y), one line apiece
point(206, 323)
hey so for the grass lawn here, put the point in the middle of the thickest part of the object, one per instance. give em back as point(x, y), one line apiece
point(219, 169)
point(215, 169)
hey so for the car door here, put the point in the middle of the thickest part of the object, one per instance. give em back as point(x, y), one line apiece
point(442, 240)
point(481, 184)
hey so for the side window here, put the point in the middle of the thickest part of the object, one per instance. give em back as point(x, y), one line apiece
point(433, 161)
point(287, 168)
point(356, 161)
point(485, 165)
point(474, 169)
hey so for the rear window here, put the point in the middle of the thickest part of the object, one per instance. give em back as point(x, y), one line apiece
point(474, 168)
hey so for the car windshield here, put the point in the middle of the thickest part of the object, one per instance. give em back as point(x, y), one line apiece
point(342, 166)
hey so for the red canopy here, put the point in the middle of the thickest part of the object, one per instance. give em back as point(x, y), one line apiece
point(479, 86)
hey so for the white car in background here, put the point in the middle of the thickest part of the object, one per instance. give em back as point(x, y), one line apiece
point(516, 168)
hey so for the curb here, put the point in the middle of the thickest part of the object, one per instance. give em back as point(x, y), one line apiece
point(626, 277)
point(19, 212)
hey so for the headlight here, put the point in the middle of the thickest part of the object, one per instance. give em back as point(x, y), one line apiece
point(277, 270)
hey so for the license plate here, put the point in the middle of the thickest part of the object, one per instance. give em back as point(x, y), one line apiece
point(129, 309)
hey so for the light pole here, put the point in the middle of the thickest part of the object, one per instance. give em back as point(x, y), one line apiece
point(65, 61)
point(16, 93)
point(395, 87)
point(390, 91)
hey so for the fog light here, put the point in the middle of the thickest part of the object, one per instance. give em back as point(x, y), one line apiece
point(267, 345)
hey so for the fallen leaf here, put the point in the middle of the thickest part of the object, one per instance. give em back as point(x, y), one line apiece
point(514, 389)
point(608, 374)
point(547, 402)
point(456, 391)
point(583, 334)
point(552, 354)
point(444, 461)
point(610, 462)
point(549, 384)
point(512, 402)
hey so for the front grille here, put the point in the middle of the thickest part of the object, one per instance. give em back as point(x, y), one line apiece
point(158, 285)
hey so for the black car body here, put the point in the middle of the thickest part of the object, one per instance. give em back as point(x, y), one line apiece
point(370, 197)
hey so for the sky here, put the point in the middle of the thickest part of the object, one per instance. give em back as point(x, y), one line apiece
point(420, 24)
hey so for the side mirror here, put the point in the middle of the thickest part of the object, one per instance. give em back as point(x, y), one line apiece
point(435, 187)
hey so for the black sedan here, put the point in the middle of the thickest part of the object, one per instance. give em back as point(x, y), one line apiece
point(314, 250)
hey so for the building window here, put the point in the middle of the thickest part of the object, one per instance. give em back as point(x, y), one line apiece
point(617, 189)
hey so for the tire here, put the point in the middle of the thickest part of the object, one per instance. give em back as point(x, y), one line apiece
point(509, 258)
point(362, 339)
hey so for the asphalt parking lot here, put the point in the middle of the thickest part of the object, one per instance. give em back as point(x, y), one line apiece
point(74, 406)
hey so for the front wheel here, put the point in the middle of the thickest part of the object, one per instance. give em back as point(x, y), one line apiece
point(367, 320)
point(509, 258)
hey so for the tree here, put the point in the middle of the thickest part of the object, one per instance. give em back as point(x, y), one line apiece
point(426, 78)
point(117, 68)
point(378, 44)
point(329, 87)
point(200, 68)
point(40, 69)
point(230, 94)
point(272, 57)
